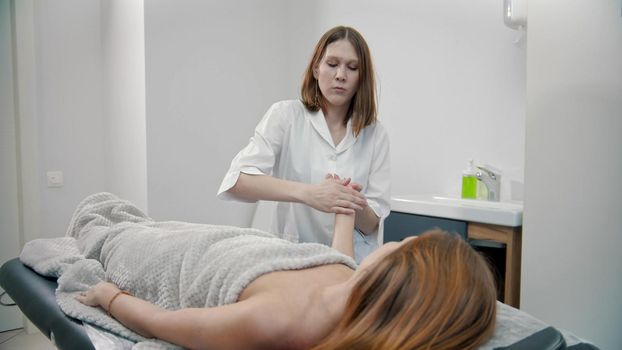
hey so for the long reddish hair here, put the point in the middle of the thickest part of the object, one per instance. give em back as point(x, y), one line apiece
point(434, 292)
point(362, 109)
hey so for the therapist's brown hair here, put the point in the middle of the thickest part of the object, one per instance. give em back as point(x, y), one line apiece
point(362, 109)
point(434, 292)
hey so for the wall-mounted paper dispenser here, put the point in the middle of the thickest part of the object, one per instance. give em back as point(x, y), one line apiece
point(515, 13)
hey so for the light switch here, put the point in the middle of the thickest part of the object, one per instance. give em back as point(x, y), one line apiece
point(55, 178)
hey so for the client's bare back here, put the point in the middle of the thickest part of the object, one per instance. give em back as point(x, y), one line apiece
point(293, 305)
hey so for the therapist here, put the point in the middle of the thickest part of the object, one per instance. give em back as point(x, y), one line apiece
point(303, 150)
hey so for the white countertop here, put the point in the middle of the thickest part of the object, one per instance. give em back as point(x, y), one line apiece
point(496, 213)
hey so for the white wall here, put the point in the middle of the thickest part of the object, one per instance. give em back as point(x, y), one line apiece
point(9, 216)
point(213, 68)
point(452, 87)
point(26, 123)
point(572, 234)
point(123, 45)
point(81, 101)
point(68, 58)
point(10, 317)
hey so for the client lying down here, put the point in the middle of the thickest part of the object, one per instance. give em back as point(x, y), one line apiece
point(221, 287)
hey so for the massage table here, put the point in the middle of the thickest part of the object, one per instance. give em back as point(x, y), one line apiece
point(35, 295)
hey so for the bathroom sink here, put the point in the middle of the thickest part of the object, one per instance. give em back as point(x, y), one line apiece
point(508, 213)
point(480, 203)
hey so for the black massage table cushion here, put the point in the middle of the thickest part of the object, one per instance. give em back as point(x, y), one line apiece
point(35, 295)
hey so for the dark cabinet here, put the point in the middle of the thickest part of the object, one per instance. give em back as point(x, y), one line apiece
point(398, 226)
point(500, 245)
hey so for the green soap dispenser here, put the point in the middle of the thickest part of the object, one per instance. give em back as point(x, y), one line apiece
point(469, 182)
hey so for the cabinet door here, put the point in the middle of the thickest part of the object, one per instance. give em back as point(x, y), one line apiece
point(398, 226)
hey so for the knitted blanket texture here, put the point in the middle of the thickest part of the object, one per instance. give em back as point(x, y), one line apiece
point(171, 264)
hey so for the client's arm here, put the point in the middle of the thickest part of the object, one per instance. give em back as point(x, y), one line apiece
point(366, 219)
point(233, 326)
point(342, 236)
point(344, 224)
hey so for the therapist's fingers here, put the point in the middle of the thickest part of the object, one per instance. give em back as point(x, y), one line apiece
point(343, 182)
point(346, 182)
point(355, 196)
point(341, 210)
point(332, 177)
point(348, 205)
point(356, 187)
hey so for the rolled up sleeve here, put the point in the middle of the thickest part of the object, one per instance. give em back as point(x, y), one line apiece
point(259, 156)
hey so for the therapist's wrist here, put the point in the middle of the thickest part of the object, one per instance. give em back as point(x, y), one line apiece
point(367, 221)
point(303, 192)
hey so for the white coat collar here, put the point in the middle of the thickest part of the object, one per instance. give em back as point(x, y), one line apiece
point(319, 124)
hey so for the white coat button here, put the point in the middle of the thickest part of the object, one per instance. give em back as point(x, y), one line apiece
point(333, 157)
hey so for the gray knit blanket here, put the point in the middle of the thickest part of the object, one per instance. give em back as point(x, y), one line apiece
point(171, 264)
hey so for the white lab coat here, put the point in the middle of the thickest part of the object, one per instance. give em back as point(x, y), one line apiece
point(292, 143)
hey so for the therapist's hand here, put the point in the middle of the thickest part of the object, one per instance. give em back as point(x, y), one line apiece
point(356, 186)
point(335, 195)
point(366, 219)
point(344, 182)
point(348, 183)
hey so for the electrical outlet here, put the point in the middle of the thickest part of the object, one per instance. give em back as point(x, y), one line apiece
point(55, 178)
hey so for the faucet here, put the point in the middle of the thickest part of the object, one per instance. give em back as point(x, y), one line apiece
point(491, 179)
